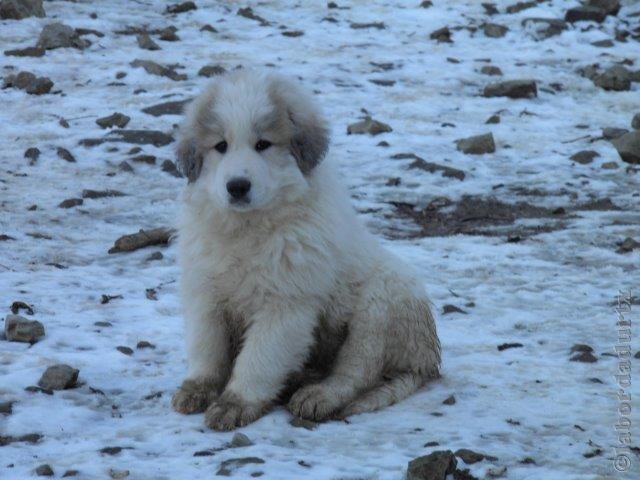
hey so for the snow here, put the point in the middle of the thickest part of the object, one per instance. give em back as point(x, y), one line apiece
point(547, 292)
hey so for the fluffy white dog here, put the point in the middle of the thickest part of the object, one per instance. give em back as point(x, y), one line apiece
point(284, 291)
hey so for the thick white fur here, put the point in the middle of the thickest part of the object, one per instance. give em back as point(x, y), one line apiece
point(258, 278)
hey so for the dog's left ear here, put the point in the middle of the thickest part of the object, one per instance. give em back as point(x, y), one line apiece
point(310, 136)
point(189, 160)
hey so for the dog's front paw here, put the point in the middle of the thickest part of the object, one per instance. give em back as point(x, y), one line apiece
point(314, 402)
point(194, 396)
point(231, 411)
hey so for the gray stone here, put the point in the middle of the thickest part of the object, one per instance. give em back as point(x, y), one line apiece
point(609, 166)
point(26, 52)
point(170, 167)
point(584, 357)
point(247, 12)
point(493, 119)
point(512, 89)
point(65, 155)
point(450, 400)
point(442, 35)
point(6, 408)
point(70, 203)
point(59, 377)
point(32, 154)
point(101, 193)
point(211, 71)
point(44, 470)
point(139, 137)
point(422, 164)
point(368, 125)
point(477, 144)
point(628, 146)
point(610, 7)
point(494, 30)
point(116, 119)
point(580, 14)
point(125, 350)
point(168, 34)
point(635, 122)
point(28, 82)
point(490, 70)
point(544, 28)
point(19, 329)
point(435, 466)
point(19, 9)
point(59, 35)
point(616, 78)
point(227, 467)
point(520, 6)
point(584, 156)
point(610, 133)
point(240, 440)
point(496, 472)
point(181, 7)
point(154, 68)
point(470, 457)
point(627, 245)
point(167, 108)
point(448, 308)
point(145, 42)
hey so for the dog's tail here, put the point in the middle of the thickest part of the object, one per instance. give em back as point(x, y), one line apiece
point(385, 394)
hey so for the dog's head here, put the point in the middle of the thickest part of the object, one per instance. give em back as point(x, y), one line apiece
point(251, 140)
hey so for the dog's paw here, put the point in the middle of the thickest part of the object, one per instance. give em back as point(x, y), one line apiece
point(314, 402)
point(230, 411)
point(193, 396)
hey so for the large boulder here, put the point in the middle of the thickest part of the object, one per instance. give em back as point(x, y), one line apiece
point(59, 35)
point(628, 146)
point(19, 9)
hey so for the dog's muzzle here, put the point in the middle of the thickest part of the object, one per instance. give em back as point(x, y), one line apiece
point(238, 189)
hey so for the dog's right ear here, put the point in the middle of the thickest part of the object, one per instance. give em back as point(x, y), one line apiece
point(189, 159)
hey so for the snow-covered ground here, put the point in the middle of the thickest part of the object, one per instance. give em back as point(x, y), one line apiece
point(546, 292)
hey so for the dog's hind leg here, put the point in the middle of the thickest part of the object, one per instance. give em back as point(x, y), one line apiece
point(387, 393)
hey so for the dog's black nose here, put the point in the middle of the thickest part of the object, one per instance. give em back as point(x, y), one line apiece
point(238, 187)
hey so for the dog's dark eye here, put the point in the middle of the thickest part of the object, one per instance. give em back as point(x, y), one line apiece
point(221, 146)
point(262, 145)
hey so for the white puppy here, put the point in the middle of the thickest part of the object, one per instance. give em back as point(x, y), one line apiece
point(283, 289)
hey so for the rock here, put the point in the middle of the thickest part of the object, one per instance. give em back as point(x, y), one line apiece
point(59, 377)
point(447, 309)
point(507, 346)
point(167, 108)
point(609, 166)
point(442, 35)
point(435, 466)
point(125, 350)
point(28, 82)
point(584, 357)
point(240, 440)
point(118, 474)
point(6, 408)
point(168, 34)
point(610, 7)
point(65, 155)
point(490, 8)
point(477, 144)
point(181, 7)
point(470, 457)
point(116, 119)
point(496, 472)
point(493, 119)
point(19, 9)
point(211, 71)
point(610, 133)
point(628, 146)
point(512, 89)
point(19, 329)
point(430, 167)
point(518, 7)
point(227, 467)
point(360, 26)
point(138, 137)
point(145, 42)
point(148, 159)
point(101, 193)
point(32, 153)
point(616, 78)
point(494, 30)
point(543, 28)
point(26, 52)
point(70, 203)
point(627, 245)
point(59, 35)
point(111, 450)
point(603, 43)
point(584, 157)
point(142, 344)
point(247, 12)
point(170, 167)
point(635, 122)
point(208, 28)
point(450, 400)
point(154, 68)
point(292, 33)
point(144, 238)
point(490, 70)
point(70, 473)
point(368, 125)
point(125, 166)
point(579, 14)
point(44, 470)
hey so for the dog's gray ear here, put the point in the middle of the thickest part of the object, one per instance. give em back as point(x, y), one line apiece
point(189, 160)
point(310, 135)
